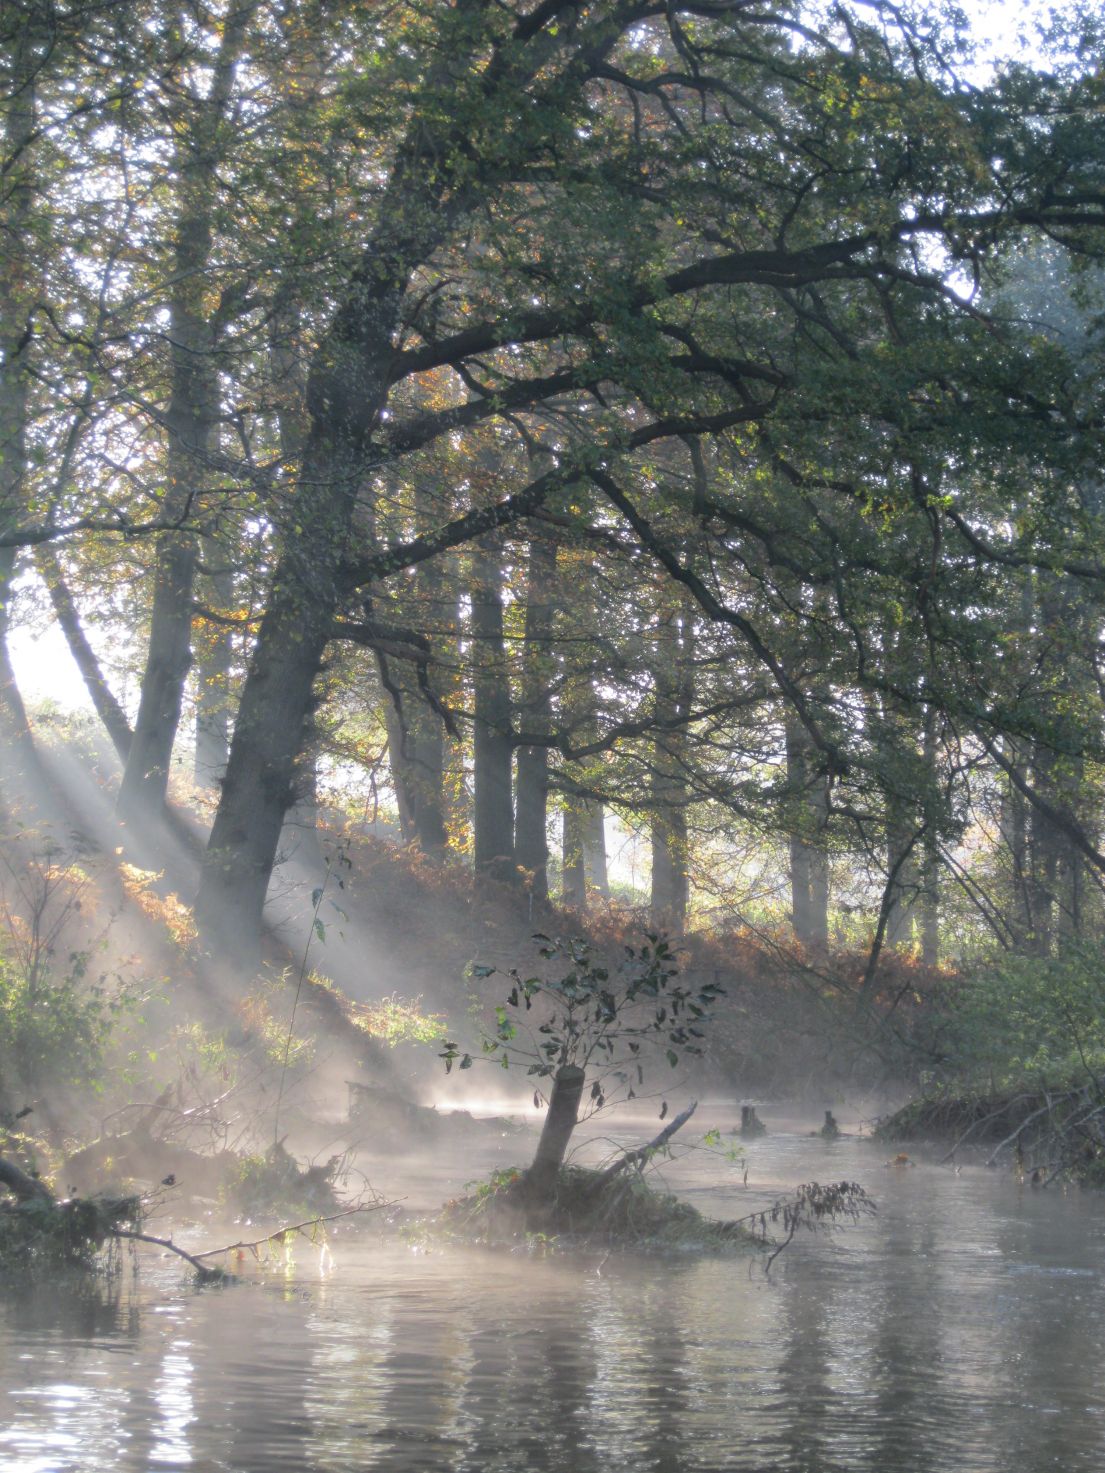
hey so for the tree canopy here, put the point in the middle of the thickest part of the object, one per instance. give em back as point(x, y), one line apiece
point(694, 403)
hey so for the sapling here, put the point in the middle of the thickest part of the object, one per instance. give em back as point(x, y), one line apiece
point(589, 1032)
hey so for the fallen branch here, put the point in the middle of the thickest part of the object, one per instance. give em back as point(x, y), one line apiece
point(202, 1270)
point(642, 1153)
point(295, 1228)
point(208, 1275)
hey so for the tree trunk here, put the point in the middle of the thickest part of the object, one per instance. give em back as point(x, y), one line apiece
point(556, 1133)
point(108, 709)
point(493, 809)
point(401, 763)
point(145, 781)
point(573, 872)
point(347, 388)
point(903, 878)
point(426, 731)
point(594, 847)
point(930, 853)
point(416, 745)
point(214, 656)
point(535, 715)
point(299, 838)
point(809, 866)
point(259, 785)
point(670, 892)
point(18, 294)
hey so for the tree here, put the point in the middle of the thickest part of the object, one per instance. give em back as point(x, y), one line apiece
point(689, 286)
point(591, 1026)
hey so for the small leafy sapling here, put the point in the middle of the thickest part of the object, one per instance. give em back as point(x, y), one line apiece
point(590, 1025)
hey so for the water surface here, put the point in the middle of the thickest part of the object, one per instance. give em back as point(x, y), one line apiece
point(963, 1329)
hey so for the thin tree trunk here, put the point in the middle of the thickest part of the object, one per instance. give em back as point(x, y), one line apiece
point(214, 658)
point(670, 892)
point(930, 853)
point(573, 872)
point(594, 847)
point(416, 744)
point(531, 824)
point(108, 709)
point(400, 761)
point(493, 808)
point(560, 1122)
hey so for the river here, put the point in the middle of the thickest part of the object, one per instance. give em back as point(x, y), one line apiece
point(961, 1329)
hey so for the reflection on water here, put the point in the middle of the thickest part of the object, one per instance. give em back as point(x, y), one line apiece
point(963, 1329)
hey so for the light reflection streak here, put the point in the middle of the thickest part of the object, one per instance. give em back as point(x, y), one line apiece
point(173, 1395)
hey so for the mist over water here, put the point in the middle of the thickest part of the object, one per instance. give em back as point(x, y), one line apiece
point(963, 1328)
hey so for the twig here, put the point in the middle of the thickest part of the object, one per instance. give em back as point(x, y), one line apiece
point(297, 1227)
point(780, 1246)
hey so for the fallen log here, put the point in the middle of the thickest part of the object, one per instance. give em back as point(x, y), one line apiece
point(21, 1184)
